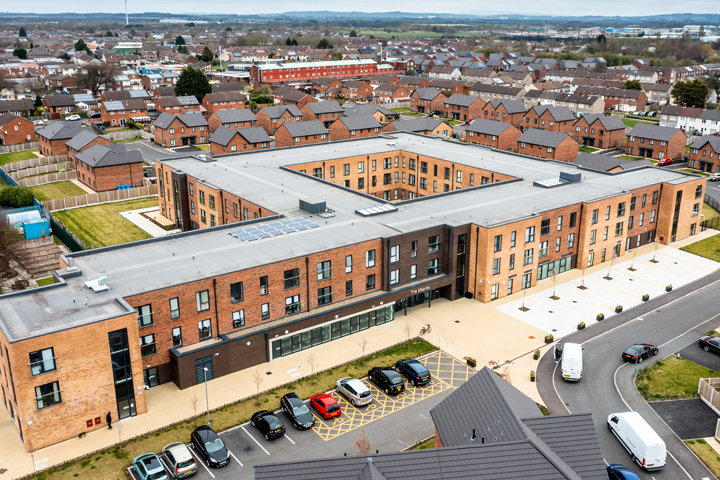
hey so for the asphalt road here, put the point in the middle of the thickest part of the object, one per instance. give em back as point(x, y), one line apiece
point(672, 322)
point(712, 190)
point(152, 152)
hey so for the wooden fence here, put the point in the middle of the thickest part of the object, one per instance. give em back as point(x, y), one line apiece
point(708, 390)
point(19, 147)
point(34, 162)
point(42, 170)
point(49, 178)
point(97, 198)
point(113, 136)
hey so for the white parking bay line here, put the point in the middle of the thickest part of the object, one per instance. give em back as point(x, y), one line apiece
point(289, 438)
point(192, 451)
point(258, 443)
point(235, 457)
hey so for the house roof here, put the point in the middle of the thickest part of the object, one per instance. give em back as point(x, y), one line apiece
point(330, 106)
point(359, 122)
point(299, 129)
point(653, 132)
point(388, 88)
point(427, 93)
point(193, 119)
point(16, 105)
point(544, 138)
point(489, 127)
point(235, 115)
point(178, 101)
point(109, 155)
point(227, 87)
point(224, 97)
point(277, 111)
point(82, 139)
point(479, 87)
point(511, 106)
point(365, 110)
point(444, 84)
point(60, 100)
point(165, 91)
point(61, 130)
point(560, 114)
point(461, 100)
point(609, 122)
point(223, 136)
point(418, 125)
point(130, 104)
point(605, 163)
point(713, 140)
point(9, 117)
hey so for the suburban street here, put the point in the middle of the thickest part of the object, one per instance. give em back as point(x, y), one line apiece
point(671, 322)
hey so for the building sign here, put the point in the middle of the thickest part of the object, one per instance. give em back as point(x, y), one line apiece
point(415, 291)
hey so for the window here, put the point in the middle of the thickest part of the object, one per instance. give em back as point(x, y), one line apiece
point(529, 234)
point(144, 314)
point(423, 183)
point(595, 216)
point(571, 240)
point(510, 286)
point(177, 336)
point(655, 197)
point(607, 213)
point(413, 248)
point(447, 173)
point(192, 206)
point(42, 361)
point(696, 210)
point(642, 217)
point(413, 271)
point(511, 266)
point(370, 258)
point(361, 167)
point(652, 216)
point(203, 301)
point(348, 264)
point(292, 305)
point(423, 167)
point(512, 239)
point(190, 187)
point(497, 246)
point(621, 209)
point(265, 311)
point(324, 270)
point(202, 197)
point(698, 191)
point(433, 267)
point(605, 233)
point(573, 219)
point(543, 250)
point(631, 222)
point(559, 225)
point(203, 217)
point(411, 164)
point(346, 169)
point(558, 241)
point(387, 163)
point(204, 329)
point(496, 266)
point(644, 200)
point(544, 227)
point(264, 285)
point(361, 183)
point(472, 178)
point(292, 278)
point(632, 203)
point(48, 395)
point(348, 288)
point(394, 277)
point(693, 228)
point(236, 292)
point(211, 202)
point(324, 295)
point(459, 176)
point(147, 345)
point(434, 244)
point(370, 282)
point(527, 280)
point(528, 257)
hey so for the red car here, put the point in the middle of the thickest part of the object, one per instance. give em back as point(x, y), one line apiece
point(325, 405)
point(664, 161)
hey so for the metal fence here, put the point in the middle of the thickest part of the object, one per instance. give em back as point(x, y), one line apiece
point(41, 170)
point(712, 202)
point(8, 179)
point(110, 196)
point(66, 236)
point(49, 178)
point(19, 147)
point(34, 162)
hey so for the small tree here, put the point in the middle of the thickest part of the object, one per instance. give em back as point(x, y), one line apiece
point(192, 81)
point(179, 40)
point(656, 243)
point(194, 404)
point(505, 374)
point(20, 53)
point(207, 55)
point(363, 344)
point(353, 33)
point(324, 44)
point(80, 45)
point(183, 49)
point(119, 429)
point(313, 363)
point(258, 380)
point(362, 444)
point(632, 85)
point(22, 32)
point(632, 264)
point(407, 330)
point(553, 276)
point(612, 262)
point(582, 278)
point(109, 34)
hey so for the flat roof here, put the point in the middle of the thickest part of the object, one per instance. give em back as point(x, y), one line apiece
point(262, 177)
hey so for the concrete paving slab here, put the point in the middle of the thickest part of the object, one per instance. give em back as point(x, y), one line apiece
point(689, 419)
point(135, 217)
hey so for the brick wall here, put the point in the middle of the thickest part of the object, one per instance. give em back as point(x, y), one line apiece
point(566, 151)
point(17, 131)
point(545, 122)
point(602, 138)
point(707, 155)
point(427, 106)
point(212, 107)
point(51, 148)
point(165, 137)
point(97, 141)
point(675, 148)
point(120, 117)
point(214, 123)
point(506, 141)
point(284, 139)
point(102, 179)
point(475, 110)
point(272, 124)
point(237, 144)
point(692, 193)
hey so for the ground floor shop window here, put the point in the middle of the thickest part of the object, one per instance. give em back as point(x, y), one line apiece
point(558, 266)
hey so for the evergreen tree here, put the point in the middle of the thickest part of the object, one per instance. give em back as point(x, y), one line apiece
point(632, 85)
point(80, 45)
point(324, 44)
point(22, 32)
point(207, 55)
point(294, 42)
point(288, 41)
point(692, 94)
point(192, 81)
point(109, 34)
point(353, 33)
point(183, 49)
point(179, 40)
point(21, 53)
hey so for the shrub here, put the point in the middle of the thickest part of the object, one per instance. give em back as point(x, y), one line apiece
point(600, 317)
point(549, 338)
point(16, 197)
point(581, 325)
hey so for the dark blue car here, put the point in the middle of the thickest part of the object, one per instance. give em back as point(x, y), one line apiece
point(621, 472)
point(414, 371)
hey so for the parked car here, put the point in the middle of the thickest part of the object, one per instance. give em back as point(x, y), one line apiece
point(73, 118)
point(389, 381)
point(664, 162)
point(639, 352)
point(208, 445)
point(714, 177)
point(637, 112)
point(296, 410)
point(639, 439)
point(40, 122)
point(621, 472)
point(325, 405)
point(95, 115)
point(414, 371)
point(269, 424)
point(710, 344)
point(178, 458)
point(149, 467)
point(354, 390)
point(652, 114)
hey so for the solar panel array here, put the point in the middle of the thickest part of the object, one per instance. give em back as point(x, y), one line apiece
point(114, 106)
point(376, 210)
point(188, 100)
point(138, 94)
point(274, 229)
point(83, 97)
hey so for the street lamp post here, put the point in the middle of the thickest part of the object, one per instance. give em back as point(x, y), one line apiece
point(637, 357)
point(207, 401)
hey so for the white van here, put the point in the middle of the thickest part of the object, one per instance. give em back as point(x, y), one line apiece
point(571, 363)
point(644, 445)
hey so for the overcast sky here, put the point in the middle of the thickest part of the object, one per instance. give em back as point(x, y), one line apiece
point(547, 7)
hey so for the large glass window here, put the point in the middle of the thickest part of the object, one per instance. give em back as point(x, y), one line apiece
point(324, 295)
point(42, 361)
point(204, 329)
point(324, 270)
point(394, 253)
point(238, 318)
point(370, 258)
point(529, 234)
point(434, 244)
point(433, 267)
point(265, 311)
point(174, 308)
point(48, 395)
point(292, 305)
point(177, 336)
point(202, 300)
point(144, 314)
point(292, 278)
point(236, 292)
point(147, 345)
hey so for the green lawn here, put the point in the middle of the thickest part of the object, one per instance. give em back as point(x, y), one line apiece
point(708, 248)
point(201, 147)
point(631, 123)
point(111, 464)
point(671, 379)
point(102, 225)
point(584, 148)
point(400, 109)
point(646, 119)
point(709, 212)
point(51, 191)
point(129, 140)
point(453, 122)
point(628, 157)
point(6, 158)
point(46, 281)
point(706, 453)
point(413, 114)
point(696, 172)
point(429, 443)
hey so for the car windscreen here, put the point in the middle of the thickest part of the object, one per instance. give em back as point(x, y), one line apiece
point(395, 380)
point(214, 446)
point(333, 408)
point(420, 369)
point(365, 394)
point(300, 410)
point(186, 463)
point(274, 422)
point(634, 350)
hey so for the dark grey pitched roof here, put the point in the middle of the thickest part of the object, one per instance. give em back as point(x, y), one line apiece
point(224, 97)
point(371, 472)
point(653, 132)
point(544, 138)
point(713, 140)
point(235, 115)
point(61, 130)
point(359, 122)
point(193, 119)
point(365, 110)
point(79, 141)
point(609, 122)
point(462, 100)
point(427, 93)
point(299, 129)
point(710, 115)
point(60, 100)
point(489, 127)
point(479, 87)
point(8, 117)
point(223, 136)
point(560, 114)
point(277, 111)
point(16, 105)
point(172, 101)
point(605, 163)
point(512, 106)
point(330, 106)
point(109, 155)
point(418, 124)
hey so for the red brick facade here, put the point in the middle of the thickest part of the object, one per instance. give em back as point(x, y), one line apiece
point(507, 140)
point(102, 179)
point(284, 139)
point(16, 130)
point(595, 135)
point(657, 149)
point(566, 151)
point(178, 134)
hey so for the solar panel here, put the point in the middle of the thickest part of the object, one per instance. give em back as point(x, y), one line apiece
point(274, 229)
point(187, 100)
point(138, 94)
point(83, 97)
point(113, 106)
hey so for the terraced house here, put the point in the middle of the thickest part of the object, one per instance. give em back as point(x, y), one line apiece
point(318, 247)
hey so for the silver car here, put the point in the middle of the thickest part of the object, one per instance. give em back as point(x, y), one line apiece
point(178, 458)
point(354, 390)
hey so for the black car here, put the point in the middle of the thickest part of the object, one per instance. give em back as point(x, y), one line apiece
point(387, 379)
point(296, 410)
point(639, 352)
point(710, 344)
point(207, 443)
point(414, 371)
point(94, 115)
point(268, 424)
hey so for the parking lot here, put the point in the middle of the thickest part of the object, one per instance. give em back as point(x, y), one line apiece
point(391, 423)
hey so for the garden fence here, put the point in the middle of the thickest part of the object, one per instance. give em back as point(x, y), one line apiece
point(110, 196)
point(42, 170)
point(708, 390)
point(49, 178)
point(34, 162)
point(19, 147)
point(66, 236)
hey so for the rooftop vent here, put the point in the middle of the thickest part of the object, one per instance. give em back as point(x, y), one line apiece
point(204, 158)
point(97, 285)
point(557, 181)
point(312, 206)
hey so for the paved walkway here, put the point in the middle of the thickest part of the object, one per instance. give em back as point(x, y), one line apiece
point(460, 328)
point(82, 185)
point(145, 224)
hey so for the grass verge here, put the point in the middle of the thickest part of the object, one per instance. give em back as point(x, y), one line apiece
point(130, 140)
point(708, 248)
point(102, 225)
point(672, 378)
point(706, 453)
point(696, 172)
point(429, 443)
point(709, 211)
point(110, 464)
point(201, 147)
point(6, 158)
point(46, 281)
point(584, 148)
point(51, 191)
point(630, 157)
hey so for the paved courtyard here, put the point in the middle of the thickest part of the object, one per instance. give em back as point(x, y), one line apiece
point(152, 229)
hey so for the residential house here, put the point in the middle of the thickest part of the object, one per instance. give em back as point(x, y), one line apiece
point(381, 114)
point(599, 130)
point(223, 101)
point(326, 112)
point(163, 92)
point(15, 130)
point(59, 105)
point(387, 93)
point(233, 119)
point(462, 107)
point(695, 121)
point(619, 99)
point(182, 129)
point(547, 144)
point(546, 117)
point(52, 138)
point(85, 139)
point(608, 163)
point(350, 127)
point(227, 140)
point(291, 96)
point(433, 127)
point(427, 100)
point(17, 107)
point(512, 111)
point(105, 167)
point(452, 86)
point(705, 154)
point(357, 90)
point(496, 92)
point(410, 82)
point(178, 105)
point(654, 141)
point(301, 133)
point(270, 118)
point(117, 113)
point(493, 133)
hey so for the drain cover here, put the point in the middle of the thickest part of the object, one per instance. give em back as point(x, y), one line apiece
point(554, 330)
point(550, 311)
point(457, 321)
point(574, 301)
point(268, 373)
point(630, 279)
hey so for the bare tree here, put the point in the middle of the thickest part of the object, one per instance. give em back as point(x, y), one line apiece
point(363, 344)
point(95, 76)
point(505, 374)
point(582, 278)
point(553, 276)
point(632, 264)
point(194, 404)
point(612, 262)
point(37, 87)
point(524, 308)
point(407, 330)
point(5, 82)
point(656, 242)
point(313, 363)
point(258, 379)
point(119, 429)
point(362, 444)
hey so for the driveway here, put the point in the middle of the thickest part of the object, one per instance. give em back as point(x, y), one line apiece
point(689, 419)
point(694, 353)
point(150, 151)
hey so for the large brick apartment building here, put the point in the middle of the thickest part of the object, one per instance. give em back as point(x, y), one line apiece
point(303, 257)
